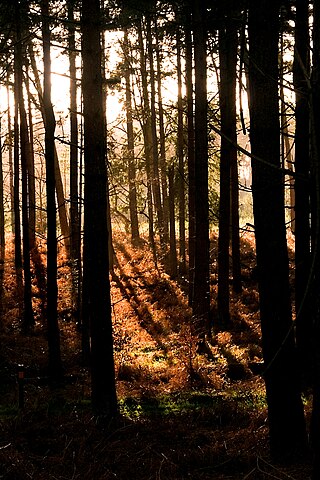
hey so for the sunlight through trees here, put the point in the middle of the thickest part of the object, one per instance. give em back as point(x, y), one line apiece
point(159, 219)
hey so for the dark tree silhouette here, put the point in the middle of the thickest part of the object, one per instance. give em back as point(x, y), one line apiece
point(54, 365)
point(285, 410)
point(134, 224)
point(315, 252)
point(190, 149)
point(201, 288)
point(104, 399)
point(75, 241)
point(301, 71)
point(28, 320)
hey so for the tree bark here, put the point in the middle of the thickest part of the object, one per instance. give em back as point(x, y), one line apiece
point(201, 294)
point(190, 150)
point(10, 156)
point(226, 88)
point(64, 224)
point(314, 274)
point(16, 184)
point(134, 224)
point(285, 410)
point(54, 360)
point(2, 229)
point(104, 401)
point(147, 136)
point(31, 174)
point(75, 234)
point(28, 319)
point(155, 153)
point(301, 69)
point(181, 169)
point(162, 148)
point(173, 243)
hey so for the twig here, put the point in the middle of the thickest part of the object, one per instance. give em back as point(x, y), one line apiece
point(248, 474)
point(5, 446)
point(274, 468)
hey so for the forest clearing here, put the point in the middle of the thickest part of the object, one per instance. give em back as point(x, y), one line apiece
point(183, 413)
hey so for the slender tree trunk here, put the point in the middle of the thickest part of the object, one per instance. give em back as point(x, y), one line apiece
point(64, 224)
point(180, 155)
point(314, 300)
point(28, 320)
point(173, 243)
point(190, 153)
point(96, 233)
point(16, 186)
point(201, 294)
point(10, 156)
point(285, 410)
point(75, 240)
point(155, 153)
point(146, 127)
point(61, 202)
point(30, 173)
point(226, 88)
point(234, 176)
point(2, 238)
point(2, 229)
point(54, 362)
point(134, 224)
point(162, 151)
point(104, 104)
point(301, 68)
point(229, 191)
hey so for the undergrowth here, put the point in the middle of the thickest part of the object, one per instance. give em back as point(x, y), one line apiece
point(183, 413)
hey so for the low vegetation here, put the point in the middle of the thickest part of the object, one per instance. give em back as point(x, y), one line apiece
point(183, 413)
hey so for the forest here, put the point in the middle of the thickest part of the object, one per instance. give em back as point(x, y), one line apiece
point(159, 239)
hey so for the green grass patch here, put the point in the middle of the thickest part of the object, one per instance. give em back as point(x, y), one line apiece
point(8, 410)
point(225, 405)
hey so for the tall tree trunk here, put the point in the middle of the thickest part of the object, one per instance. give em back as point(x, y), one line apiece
point(155, 152)
point(10, 155)
point(104, 104)
point(190, 151)
point(201, 294)
point(285, 410)
point(28, 319)
point(64, 224)
point(147, 136)
point(229, 191)
point(314, 299)
point(225, 180)
point(162, 148)
point(104, 401)
point(2, 238)
point(301, 68)
point(2, 229)
point(173, 243)
point(16, 185)
point(75, 234)
point(134, 224)
point(31, 173)
point(54, 361)
point(234, 176)
point(181, 170)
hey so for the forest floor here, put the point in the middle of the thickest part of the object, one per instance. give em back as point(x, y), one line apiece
point(184, 414)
